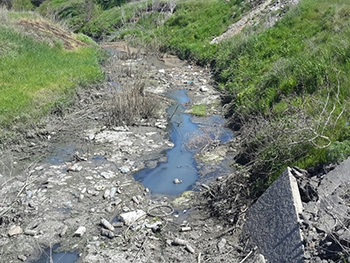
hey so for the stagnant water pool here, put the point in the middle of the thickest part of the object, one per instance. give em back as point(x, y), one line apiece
point(180, 164)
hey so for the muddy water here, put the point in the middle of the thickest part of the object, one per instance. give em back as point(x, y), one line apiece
point(180, 163)
point(80, 161)
point(180, 166)
point(51, 255)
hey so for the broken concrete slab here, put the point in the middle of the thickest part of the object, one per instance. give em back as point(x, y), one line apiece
point(272, 223)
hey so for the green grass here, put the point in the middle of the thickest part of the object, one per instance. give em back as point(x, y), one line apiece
point(110, 21)
point(199, 110)
point(301, 65)
point(35, 75)
point(194, 24)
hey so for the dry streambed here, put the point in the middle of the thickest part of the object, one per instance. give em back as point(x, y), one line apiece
point(80, 191)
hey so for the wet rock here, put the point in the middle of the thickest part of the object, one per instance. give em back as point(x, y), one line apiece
point(131, 217)
point(177, 181)
point(14, 231)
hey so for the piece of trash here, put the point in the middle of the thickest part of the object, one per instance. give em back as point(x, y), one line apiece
point(106, 224)
point(185, 229)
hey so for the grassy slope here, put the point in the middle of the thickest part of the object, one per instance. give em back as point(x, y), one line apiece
point(300, 65)
point(36, 76)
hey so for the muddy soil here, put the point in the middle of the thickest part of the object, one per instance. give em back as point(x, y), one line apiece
point(73, 173)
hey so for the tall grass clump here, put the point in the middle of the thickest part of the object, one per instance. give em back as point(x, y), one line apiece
point(129, 103)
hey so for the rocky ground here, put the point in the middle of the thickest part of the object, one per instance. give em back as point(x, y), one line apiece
point(70, 182)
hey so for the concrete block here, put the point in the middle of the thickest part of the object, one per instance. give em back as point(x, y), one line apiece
point(272, 223)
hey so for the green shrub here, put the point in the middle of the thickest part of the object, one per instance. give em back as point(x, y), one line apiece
point(338, 151)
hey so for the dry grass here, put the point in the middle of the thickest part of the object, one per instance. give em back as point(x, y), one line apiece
point(127, 81)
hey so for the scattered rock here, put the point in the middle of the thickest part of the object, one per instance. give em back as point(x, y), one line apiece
point(106, 224)
point(221, 245)
point(22, 257)
point(258, 258)
point(30, 232)
point(107, 233)
point(204, 89)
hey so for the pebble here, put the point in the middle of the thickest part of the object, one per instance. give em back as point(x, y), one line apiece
point(22, 257)
point(221, 245)
point(30, 232)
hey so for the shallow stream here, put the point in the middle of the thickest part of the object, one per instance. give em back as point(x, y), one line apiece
point(179, 173)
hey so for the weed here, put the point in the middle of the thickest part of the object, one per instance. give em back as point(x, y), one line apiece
point(199, 110)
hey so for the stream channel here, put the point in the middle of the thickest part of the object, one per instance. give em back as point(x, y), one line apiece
point(180, 165)
point(180, 172)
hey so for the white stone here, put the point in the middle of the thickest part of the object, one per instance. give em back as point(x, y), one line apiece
point(204, 89)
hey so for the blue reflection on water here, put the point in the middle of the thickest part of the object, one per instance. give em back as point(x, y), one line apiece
point(50, 256)
point(180, 163)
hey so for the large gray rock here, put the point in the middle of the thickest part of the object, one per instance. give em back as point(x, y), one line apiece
point(272, 223)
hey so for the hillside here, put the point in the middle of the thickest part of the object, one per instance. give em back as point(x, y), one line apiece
point(40, 64)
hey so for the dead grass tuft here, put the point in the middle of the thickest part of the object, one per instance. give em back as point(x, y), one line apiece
point(126, 82)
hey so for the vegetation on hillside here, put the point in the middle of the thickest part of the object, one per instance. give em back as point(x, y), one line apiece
point(40, 66)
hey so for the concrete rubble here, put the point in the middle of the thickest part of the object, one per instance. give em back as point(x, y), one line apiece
point(272, 223)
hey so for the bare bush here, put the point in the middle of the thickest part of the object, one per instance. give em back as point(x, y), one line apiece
point(129, 102)
point(206, 139)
